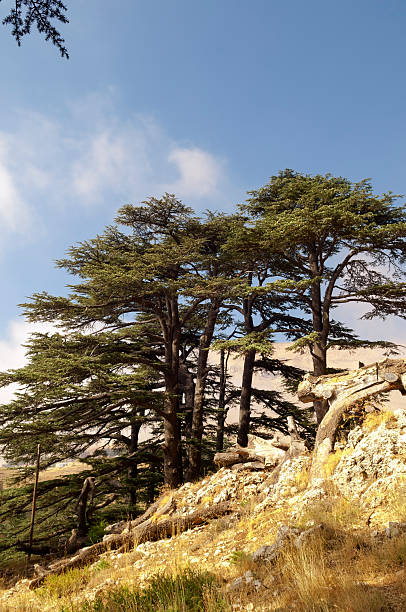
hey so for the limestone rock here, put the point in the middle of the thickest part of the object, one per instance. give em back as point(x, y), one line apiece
point(246, 582)
point(373, 462)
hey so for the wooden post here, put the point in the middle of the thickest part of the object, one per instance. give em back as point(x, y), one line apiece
point(34, 500)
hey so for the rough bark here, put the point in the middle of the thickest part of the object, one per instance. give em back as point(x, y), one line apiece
point(133, 468)
point(86, 495)
point(171, 330)
point(233, 457)
point(147, 531)
point(245, 398)
point(342, 391)
point(268, 452)
point(319, 348)
point(171, 450)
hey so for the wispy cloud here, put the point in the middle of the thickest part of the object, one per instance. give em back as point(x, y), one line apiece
point(93, 157)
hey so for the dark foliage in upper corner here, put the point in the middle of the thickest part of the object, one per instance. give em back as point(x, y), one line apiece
point(41, 13)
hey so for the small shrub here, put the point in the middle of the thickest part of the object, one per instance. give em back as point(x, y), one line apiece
point(96, 532)
point(101, 565)
point(242, 560)
point(190, 591)
point(64, 585)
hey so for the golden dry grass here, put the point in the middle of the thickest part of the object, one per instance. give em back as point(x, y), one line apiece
point(374, 419)
point(348, 571)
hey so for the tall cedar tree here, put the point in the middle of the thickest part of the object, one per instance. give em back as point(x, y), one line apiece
point(335, 243)
point(151, 277)
point(261, 311)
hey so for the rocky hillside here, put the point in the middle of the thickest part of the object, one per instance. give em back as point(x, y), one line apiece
point(277, 540)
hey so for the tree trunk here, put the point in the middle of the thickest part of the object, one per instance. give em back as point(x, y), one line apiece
point(245, 399)
point(132, 471)
point(87, 490)
point(187, 391)
point(171, 448)
point(195, 447)
point(221, 414)
point(319, 357)
point(319, 348)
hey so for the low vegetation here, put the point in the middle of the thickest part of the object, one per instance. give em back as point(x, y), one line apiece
point(345, 567)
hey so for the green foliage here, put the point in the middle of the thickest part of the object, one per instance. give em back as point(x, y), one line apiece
point(239, 557)
point(42, 14)
point(102, 564)
point(96, 531)
point(152, 295)
point(187, 592)
point(333, 242)
point(63, 585)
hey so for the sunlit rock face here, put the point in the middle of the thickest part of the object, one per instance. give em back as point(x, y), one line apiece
point(373, 462)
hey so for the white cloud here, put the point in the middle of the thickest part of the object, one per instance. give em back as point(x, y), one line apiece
point(200, 173)
point(91, 156)
point(114, 159)
point(13, 210)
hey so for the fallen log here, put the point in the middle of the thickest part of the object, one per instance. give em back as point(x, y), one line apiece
point(268, 452)
point(230, 458)
point(150, 532)
point(127, 525)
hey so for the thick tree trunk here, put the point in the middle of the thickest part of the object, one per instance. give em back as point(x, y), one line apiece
point(320, 325)
point(195, 447)
point(245, 399)
point(319, 357)
point(171, 448)
point(86, 495)
point(133, 469)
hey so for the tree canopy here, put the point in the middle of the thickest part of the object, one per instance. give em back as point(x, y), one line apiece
point(128, 382)
point(333, 242)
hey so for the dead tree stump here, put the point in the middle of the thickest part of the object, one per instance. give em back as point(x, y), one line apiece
point(342, 391)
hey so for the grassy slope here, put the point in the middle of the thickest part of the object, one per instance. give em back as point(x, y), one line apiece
point(352, 571)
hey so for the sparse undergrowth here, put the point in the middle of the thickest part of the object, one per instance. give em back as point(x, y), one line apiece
point(343, 567)
point(189, 591)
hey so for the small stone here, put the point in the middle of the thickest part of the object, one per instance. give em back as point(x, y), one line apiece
point(265, 553)
point(392, 530)
point(237, 584)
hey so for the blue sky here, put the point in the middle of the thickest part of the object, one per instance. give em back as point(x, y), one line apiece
point(204, 99)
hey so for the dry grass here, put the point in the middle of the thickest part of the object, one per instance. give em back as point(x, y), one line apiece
point(334, 459)
point(374, 419)
point(75, 467)
point(346, 570)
